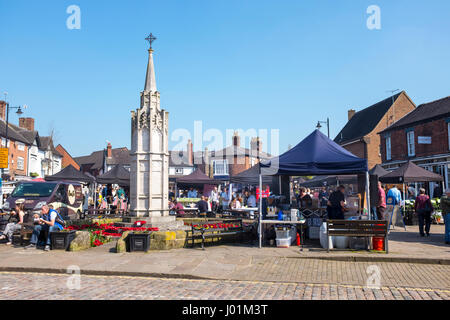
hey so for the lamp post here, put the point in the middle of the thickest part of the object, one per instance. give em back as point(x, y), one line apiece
point(328, 126)
point(19, 112)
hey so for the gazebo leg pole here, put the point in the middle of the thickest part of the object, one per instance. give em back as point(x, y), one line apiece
point(260, 211)
point(368, 194)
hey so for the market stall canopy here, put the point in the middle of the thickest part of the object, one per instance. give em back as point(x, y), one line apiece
point(315, 155)
point(117, 175)
point(251, 177)
point(378, 170)
point(71, 174)
point(323, 181)
point(408, 173)
point(196, 178)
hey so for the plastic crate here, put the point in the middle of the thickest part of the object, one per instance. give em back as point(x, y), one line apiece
point(284, 243)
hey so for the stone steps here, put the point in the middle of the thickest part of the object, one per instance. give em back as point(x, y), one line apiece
point(163, 223)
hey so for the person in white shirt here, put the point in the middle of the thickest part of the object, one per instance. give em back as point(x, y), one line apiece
point(214, 197)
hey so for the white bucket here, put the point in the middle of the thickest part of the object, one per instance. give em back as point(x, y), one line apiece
point(324, 241)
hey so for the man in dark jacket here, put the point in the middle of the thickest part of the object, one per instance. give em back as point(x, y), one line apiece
point(202, 205)
point(336, 204)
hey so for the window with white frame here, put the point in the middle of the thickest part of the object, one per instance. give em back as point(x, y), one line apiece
point(20, 146)
point(410, 143)
point(388, 147)
point(220, 167)
point(20, 163)
point(4, 142)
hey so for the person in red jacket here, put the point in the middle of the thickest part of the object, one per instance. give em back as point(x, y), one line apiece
point(423, 208)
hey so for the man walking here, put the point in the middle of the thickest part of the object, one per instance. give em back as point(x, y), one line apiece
point(381, 206)
point(423, 208)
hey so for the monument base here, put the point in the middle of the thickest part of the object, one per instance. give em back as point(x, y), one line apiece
point(157, 219)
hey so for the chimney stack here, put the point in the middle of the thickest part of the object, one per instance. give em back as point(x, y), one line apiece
point(109, 150)
point(190, 152)
point(26, 123)
point(256, 146)
point(351, 113)
point(236, 139)
point(3, 110)
point(208, 169)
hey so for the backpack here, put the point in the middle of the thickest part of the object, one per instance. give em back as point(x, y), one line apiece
point(59, 219)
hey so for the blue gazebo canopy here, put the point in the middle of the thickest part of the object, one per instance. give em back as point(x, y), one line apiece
point(315, 155)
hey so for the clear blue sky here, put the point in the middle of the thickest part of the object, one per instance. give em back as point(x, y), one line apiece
point(232, 64)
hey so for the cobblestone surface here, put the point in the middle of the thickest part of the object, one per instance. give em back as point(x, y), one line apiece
point(60, 286)
point(285, 269)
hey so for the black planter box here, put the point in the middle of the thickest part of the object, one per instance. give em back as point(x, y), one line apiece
point(139, 242)
point(61, 240)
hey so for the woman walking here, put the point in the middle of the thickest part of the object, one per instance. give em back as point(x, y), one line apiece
point(423, 208)
point(15, 221)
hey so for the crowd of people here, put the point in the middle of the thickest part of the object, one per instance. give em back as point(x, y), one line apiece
point(216, 201)
point(114, 198)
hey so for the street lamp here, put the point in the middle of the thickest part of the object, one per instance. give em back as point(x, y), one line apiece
point(328, 126)
point(19, 112)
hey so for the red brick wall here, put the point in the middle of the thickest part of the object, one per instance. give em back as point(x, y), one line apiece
point(437, 129)
point(67, 159)
point(26, 123)
point(14, 154)
point(357, 148)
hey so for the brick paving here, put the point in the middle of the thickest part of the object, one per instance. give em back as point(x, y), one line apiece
point(29, 286)
point(286, 269)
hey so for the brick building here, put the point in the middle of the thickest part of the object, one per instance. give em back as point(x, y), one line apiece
point(29, 153)
point(101, 161)
point(422, 136)
point(231, 160)
point(66, 157)
point(360, 134)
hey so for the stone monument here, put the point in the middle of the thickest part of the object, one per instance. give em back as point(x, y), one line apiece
point(149, 178)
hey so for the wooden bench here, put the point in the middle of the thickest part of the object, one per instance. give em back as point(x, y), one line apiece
point(232, 227)
point(358, 228)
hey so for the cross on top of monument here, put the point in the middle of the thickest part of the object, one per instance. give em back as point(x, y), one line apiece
point(150, 39)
